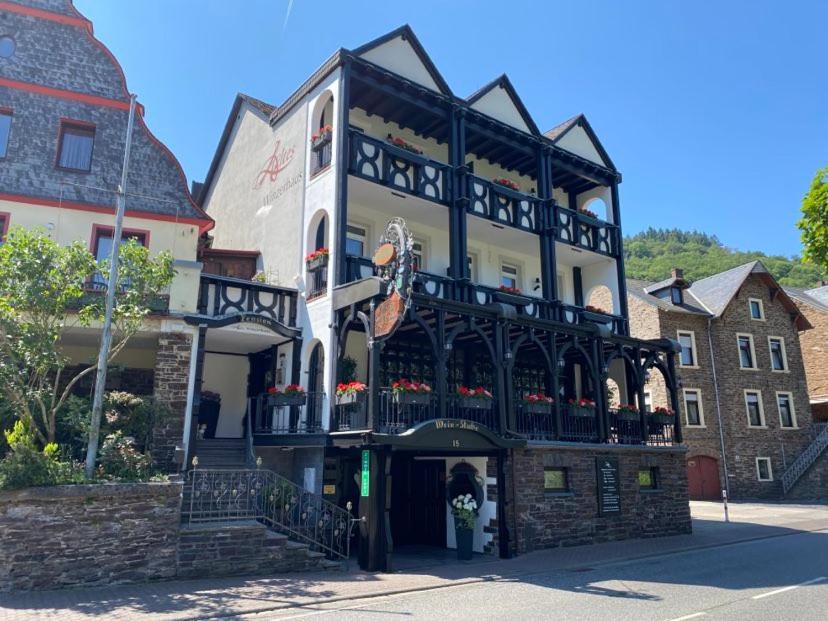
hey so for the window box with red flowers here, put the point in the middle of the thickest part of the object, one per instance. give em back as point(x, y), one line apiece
point(474, 398)
point(402, 144)
point(506, 183)
point(406, 392)
point(510, 295)
point(291, 395)
point(582, 408)
point(537, 403)
point(352, 393)
point(662, 415)
point(588, 214)
point(322, 137)
point(627, 412)
point(317, 259)
point(596, 314)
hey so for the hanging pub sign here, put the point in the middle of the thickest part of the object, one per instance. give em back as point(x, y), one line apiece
point(393, 260)
point(609, 486)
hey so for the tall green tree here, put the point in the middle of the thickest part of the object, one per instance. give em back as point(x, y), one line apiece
point(45, 291)
point(814, 221)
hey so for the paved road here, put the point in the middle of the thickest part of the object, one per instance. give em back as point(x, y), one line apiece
point(783, 578)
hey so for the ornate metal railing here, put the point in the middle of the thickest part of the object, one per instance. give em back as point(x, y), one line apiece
point(805, 460)
point(263, 495)
point(501, 204)
point(578, 315)
point(317, 282)
point(535, 422)
point(578, 424)
point(381, 162)
point(625, 428)
point(321, 157)
point(222, 295)
point(660, 433)
point(272, 418)
point(586, 232)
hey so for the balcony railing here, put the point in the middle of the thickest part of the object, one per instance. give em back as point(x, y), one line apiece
point(321, 156)
point(222, 295)
point(578, 315)
point(317, 282)
point(94, 292)
point(501, 204)
point(583, 231)
point(272, 418)
point(384, 163)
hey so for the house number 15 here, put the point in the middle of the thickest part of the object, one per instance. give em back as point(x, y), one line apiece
point(455, 444)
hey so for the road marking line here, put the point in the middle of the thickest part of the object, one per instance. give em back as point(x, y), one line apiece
point(693, 616)
point(790, 588)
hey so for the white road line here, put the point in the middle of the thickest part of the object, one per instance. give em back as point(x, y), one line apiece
point(790, 588)
point(693, 616)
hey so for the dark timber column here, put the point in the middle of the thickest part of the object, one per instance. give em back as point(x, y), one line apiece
point(342, 163)
point(546, 215)
point(619, 261)
point(458, 246)
point(376, 546)
point(374, 351)
point(674, 405)
point(503, 542)
point(295, 375)
point(600, 388)
point(441, 360)
point(504, 400)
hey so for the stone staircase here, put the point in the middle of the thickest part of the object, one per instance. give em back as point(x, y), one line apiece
point(222, 453)
point(805, 460)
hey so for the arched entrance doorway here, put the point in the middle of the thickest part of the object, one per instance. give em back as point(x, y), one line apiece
point(703, 478)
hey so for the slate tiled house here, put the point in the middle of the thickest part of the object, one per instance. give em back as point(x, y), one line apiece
point(813, 304)
point(743, 394)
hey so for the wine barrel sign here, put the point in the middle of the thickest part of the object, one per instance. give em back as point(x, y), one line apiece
point(393, 260)
point(388, 316)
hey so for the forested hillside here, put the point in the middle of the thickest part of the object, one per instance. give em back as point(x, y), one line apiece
point(652, 253)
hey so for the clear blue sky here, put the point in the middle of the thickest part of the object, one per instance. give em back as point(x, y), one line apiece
point(715, 112)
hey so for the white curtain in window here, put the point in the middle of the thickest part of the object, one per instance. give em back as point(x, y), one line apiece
point(76, 149)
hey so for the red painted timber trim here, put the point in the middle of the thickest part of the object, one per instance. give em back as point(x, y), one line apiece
point(11, 7)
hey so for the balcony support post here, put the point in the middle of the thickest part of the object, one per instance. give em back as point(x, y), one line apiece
point(458, 250)
point(343, 163)
point(441, 356)
point(600, 393)
point(374, 354)
point(546, 215)
point(503, 399)
point(556, 384)
point(642, 376)
point(619, 259)
point(674, 403)
point(508, 366)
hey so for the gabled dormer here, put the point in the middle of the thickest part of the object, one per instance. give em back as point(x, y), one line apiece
point(499, 100)
point(671, 289)
point(577, 136)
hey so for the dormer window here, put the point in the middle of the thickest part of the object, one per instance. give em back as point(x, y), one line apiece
point(676, 296)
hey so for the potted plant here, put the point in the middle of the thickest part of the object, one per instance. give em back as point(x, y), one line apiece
point(510, 295)
point(317, 259)
point(350, 393)
point(475, 398)
point(321, 137)
point(406, 392)
point(583, 211)
point(464, 510)
point(662, 415)
point(537, 403)
point(291, 395)
point(627, 412)
point(596, 314)
point(402, 144)
point(582, 408)
point(506, 183)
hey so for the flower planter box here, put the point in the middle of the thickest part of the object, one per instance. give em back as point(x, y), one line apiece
point(661, 419)
point(579, 412)
point(597, 317)
point(475, 403)
point(318, 263)
point(412, 398)
point(355, 398)
point(587, 219)
point(538, 408)
point(510, 298)
point(465, 542)
point(321, 141)
point(628, 416)
point(287, 400)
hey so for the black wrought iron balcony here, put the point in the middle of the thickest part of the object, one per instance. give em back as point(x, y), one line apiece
point(357, 268)
point(222, 296)
point(502, 204)
point(578, 315)
point(398, 168)
point(286, 415)
point(583, 231)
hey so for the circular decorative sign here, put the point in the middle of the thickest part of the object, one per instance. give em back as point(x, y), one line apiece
point(393, 259)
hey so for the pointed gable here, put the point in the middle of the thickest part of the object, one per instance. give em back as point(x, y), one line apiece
point(499, 100)
point(577, 136)
point(401, 52)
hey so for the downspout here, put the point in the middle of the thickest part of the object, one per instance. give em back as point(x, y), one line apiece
point(718, 404)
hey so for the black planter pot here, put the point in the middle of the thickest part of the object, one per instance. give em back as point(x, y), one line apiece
point(538, 408)
point(465, 543)
point(628, 416)
point(321, 141)
point(661, 419)
point(287, 400)
point(579, 412)
point(412, 398)
point(351, 399)
point(318, 262)
point(596, 317)
point(475, 403)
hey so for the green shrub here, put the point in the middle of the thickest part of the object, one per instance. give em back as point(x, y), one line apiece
point(121, 460)
point(25, 465)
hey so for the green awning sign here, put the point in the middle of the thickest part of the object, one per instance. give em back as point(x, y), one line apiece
point(365, 487)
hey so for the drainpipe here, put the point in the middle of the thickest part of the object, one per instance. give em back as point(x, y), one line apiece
point(718, 404)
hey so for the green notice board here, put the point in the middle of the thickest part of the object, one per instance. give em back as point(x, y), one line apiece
point(365, 486)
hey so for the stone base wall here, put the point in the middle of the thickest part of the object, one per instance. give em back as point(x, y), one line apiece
point(813, 485)
point(74, 535)
point(547, 520)
point(172, 372)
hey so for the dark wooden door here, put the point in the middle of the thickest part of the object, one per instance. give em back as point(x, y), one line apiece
point(703, 478)
point(260, 378)
point(418, 502)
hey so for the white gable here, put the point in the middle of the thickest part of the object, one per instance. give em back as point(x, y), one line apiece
point(398, 56)
point(577, 141)
point(498, 105)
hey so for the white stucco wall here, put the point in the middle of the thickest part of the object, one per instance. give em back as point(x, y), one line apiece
point(498, 105)
point(398, 56)
point(227, 375)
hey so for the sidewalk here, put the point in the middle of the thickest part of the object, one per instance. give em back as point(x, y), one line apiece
point(215, 598)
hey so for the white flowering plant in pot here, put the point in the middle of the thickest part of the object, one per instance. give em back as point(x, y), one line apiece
point(464, 510)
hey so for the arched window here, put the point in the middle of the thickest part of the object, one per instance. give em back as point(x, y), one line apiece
point(322, 137)
point(598, 207)
point(318, 257)
point(316, 387)
point(599, 299)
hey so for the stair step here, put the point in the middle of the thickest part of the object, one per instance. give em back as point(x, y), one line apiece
point(275, 540)
point(329, 564)
point(295, 545)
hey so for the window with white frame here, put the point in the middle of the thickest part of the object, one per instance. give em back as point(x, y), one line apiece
point(693, 407)
point(787, 416)
point(356, 242)
point(418, 251)
point(687, 339)
point(747, 353)
point(755, 412)
point(648, 401)
point(561, 285)
point(757, 311)
point(764, 472)
point(472, 261)
point(779, 359)
point(509, 275)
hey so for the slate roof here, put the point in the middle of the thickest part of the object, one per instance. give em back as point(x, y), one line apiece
point(716, 291)
point(820, 293)
point(691, 305)
point(811, 297)
point(559, 130)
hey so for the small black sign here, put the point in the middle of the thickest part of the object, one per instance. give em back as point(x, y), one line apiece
point(609, 487)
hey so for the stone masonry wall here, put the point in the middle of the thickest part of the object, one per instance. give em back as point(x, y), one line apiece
point(814, 344)
point(88, 535)
point(172, 367)
point(548, 520)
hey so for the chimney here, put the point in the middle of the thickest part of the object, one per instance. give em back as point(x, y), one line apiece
point(678, 274)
